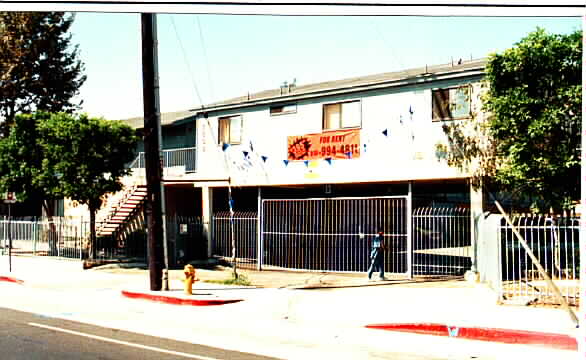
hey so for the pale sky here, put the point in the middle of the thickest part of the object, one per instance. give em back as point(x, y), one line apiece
point(225, 56)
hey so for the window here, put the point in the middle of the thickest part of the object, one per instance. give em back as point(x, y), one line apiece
point(283, 109)
point(342, 115)
point(451, 103)
point(230, 130)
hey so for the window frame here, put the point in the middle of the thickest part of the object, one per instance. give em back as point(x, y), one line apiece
point(222, 137)
point(289, 108)
point(450, 103)
point(341, 103)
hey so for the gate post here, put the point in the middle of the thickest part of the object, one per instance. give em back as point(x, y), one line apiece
point(34, 236)
point(476, 220)
point(410, 230)
point(4, 241)
point(259, 249)
point(206, 215)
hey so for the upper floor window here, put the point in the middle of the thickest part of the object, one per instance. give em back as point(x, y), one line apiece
point(230, 130)
point(283, 109)
point(342, 115)
point(451, 103)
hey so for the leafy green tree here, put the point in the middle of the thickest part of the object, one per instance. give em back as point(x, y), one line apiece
point(528, 141)
point(23, 167)
point(39, 67)
point(61, 155)
point(89, 156)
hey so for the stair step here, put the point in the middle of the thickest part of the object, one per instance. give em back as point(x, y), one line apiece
point(123, 208)
point(127, 209)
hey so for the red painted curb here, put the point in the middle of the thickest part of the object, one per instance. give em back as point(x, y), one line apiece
point(177, 301)
point(557, 341)
point(11, 279)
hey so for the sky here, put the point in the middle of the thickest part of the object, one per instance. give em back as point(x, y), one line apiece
point(207, 58)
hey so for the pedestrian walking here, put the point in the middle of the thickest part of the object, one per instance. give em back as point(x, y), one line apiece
point(377, 256)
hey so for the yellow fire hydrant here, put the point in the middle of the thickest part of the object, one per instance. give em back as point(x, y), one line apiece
point(190, 278)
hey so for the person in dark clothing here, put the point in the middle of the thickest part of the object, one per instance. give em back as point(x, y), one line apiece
point(377, 256)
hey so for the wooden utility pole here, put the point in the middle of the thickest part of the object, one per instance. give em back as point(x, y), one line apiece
point(153, 167)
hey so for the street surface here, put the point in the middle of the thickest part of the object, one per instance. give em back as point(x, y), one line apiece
point(28, 336)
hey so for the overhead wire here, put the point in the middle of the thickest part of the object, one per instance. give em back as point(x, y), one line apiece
point(205, 56)
point(386, 43)
point(186, 61)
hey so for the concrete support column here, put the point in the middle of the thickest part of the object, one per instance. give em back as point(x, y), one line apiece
point(206, 217)
point(476, 220)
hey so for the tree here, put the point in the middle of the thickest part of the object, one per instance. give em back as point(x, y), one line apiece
point(89, 155)
point(39, 67)
point(529, 140)
point(23, 168)
point(60, 155)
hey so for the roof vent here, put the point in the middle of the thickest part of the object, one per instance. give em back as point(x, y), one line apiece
point(287, 87)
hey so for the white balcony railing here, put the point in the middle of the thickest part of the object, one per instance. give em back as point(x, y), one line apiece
point(171, 158)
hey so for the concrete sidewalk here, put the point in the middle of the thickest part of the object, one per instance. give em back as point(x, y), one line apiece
point(453, 309)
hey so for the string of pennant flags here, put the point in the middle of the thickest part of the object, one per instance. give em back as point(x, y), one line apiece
point(385, 132)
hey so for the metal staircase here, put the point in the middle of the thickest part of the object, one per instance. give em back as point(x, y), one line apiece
point(130, 202)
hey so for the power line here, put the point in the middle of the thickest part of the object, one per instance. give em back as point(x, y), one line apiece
point(385, 42)
point(205, 56)
point(186, 62)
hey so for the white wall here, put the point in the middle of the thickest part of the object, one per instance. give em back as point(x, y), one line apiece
point(407, 153)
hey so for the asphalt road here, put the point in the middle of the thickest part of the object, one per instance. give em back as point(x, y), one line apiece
point(29, 336)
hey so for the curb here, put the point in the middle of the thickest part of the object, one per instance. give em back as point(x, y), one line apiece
point(177, 301)
point(519, 337)
point(11, 279)
point(357, 284)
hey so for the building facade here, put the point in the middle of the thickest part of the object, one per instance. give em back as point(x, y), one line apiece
point(324, 166)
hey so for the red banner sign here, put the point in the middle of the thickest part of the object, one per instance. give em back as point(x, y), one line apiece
point(339, 144)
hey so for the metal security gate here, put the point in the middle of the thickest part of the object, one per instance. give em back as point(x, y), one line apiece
point(441, 241)
point(245, 232)
point(334, 234)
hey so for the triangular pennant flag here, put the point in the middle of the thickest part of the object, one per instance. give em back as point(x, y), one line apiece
point(231, 203)
point(286, 162)
point(349, 154)
point(386, 132)
point(245, 153)
point(306, 162)
point(225, 146)
point(364, 147)
point(410, 110)
point(264, 158)
point(251, 148)
point(329, 160)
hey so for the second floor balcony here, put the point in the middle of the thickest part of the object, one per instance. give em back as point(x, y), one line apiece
point(183, 157)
